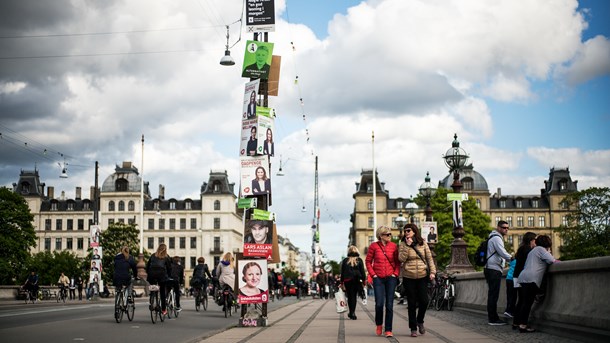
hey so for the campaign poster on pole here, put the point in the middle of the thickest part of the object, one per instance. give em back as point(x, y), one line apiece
point(260, 16)
point(429, 232)
point(457, 214)
point(258, 238)
point(252, 281)
point(94, 236)
point(257, 60)
point(249, 137)
point(250, 96)
point(265, 120)
point(255, 173)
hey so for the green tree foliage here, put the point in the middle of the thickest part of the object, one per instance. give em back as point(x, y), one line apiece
point(476, 225)
point(112, 240)
point(17, 236)
point(49, 266)
point(588, 234)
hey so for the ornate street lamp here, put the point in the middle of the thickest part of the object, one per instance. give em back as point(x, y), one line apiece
point(412, 207)
point(427, 191)
point(455, 159)
point(400, 222)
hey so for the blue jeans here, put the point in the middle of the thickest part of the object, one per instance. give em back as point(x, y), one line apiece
point(494, 279)
point(384, 295)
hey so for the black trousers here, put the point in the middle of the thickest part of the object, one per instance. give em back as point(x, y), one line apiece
point(416, 291)
point(527, 295)
point(493, 278)
point(352, 287)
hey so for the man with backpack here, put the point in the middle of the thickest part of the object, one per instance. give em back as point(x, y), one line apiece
point(496, 257)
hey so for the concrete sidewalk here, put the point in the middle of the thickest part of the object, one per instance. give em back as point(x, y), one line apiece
point(317, 321)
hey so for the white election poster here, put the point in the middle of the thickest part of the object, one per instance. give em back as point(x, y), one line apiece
point(255, 175)
point(250, 96)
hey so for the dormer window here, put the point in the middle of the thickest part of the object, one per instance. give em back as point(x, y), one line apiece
point(535, 203)
point(156, 206)
point(519, 203)
point(70, 206)
point(25, 188)
point(467, 184)
point(369, 188)
point(563, 185)
point(188, 205)
point(172, 205)
point(216, 187)
point(502, 203)
point(121, 185)
point(54, 206)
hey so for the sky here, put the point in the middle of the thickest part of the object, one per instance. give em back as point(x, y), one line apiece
point(523, 84)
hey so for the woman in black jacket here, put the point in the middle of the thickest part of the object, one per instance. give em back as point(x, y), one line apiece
point(353, 278)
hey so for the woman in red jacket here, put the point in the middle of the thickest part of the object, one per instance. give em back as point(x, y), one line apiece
point(383, 265)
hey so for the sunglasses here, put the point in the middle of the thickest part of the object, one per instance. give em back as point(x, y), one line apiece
point(504, 227)
point(386, 234)
point(408, 230)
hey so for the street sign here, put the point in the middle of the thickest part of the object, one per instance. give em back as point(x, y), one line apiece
point(457, 196)
point(246, 203)
point(262, 215)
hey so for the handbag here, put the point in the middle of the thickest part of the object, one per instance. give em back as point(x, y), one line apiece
point(425, 263)
point(341, 301)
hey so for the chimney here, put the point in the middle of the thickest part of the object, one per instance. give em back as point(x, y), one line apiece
point(161, 192)
point(63, 195)
point(78, 193)
point(92, 193)
point(51, 192)
point(499, 192)
point(126, 164)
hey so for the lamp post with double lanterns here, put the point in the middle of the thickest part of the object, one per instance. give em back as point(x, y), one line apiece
point(427, 191)
point(455, 159)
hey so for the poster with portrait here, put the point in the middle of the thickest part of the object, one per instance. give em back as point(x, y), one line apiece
point(265, 120)
point(255, 175)
point(249, 137)
point(457, 214)
point(258, 238)
point(250, 98)
point(94, 236)
point(97, 253)
point(257, 60)
point(260, 16)
point(429, 232)
point(253, 285)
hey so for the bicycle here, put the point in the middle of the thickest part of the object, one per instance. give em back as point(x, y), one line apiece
point(30, 296)
point(170, 303)
point(62, 294)
point(446, 294)
point(155, 304)
point(226, 299)
point(201, 298)
point(433, 291)
point(123, 303)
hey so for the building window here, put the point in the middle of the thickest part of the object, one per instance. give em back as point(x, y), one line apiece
point(535, 203)
point(81, 224)
point(161, 240)
point(467, 185)
point(122, 220)
point(216, 260)
point(86, 206)
point(121, 206)
point(161, 224)
point(151, 243)
point(216, 187)
point(479, 203)
point(156, 206)
point(509, 220)
point(182, 242)
point(563, 185)
point(371, 222)
point(216, 223)
point(172, 243)
point(111, 205)
point(47, 244)
point(519, 203)
point(151, 224)
point(47, 224)
point(541, 221)
point(216, 243)
point(564, 220)
point(172, 223)
point(416, 221)
point(194, 242)
point(498, 220)
point(216, 205)
point(193, 223)
point(394, 224)
point(69, 224)
point(502, 203)
point(520, 221)
point(510, 239)
point(182, 223)
point(188, 205)
point(57, 243)
point(69, 244)
point(110, 221)
point(370, 205)
point(80, 244)
point(172, 205)
point(131, 206)
point(131, 221)
point(53, 206)
point(369, 187)
point(193, 262)
point(530, 221)
point(70, 206)
point(399, 204)
point(58, 224)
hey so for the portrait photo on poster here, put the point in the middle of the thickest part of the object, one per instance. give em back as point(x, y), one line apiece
point(429, 232)
point(257, 60)
point(250, 101)
point(258, 232)
point(254, 175)
point(252, 281)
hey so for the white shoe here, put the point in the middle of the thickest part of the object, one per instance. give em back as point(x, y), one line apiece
point(508, 315)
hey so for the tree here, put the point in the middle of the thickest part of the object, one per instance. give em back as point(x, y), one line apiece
point(115, 237)
point(476, 225)
point(17, 236)
point(588, 232)
point(49, 266)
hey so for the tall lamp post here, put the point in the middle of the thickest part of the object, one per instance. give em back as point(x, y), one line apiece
point(427, 191)
point(400, 223)
point(412, 207)
point(455, 159)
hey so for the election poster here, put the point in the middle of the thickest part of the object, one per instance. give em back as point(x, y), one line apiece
point(265, 120)
point(257, 60)
point(249, 137)
point(94, 238)
point(429, 232)
point(252, 281)
point(258, 238)
point(255, 174)
point(250, 96)
point(260, 16)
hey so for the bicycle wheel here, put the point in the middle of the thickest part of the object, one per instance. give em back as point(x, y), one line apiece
point(451, 297)
point(440, 299)
point(174, 306)
point(169, 304)
point(197, 301)
point(204, 301)
point(131, 308)
point(159, 310)
point(226, 306)
point(118, 307)
point(432, 298)
point(153, 307)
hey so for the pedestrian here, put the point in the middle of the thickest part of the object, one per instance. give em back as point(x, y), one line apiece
point(322, 281)
point(72, 287)
point(417, 270)
point(352, 278)
point(382, 263)
point(79, 285)
point(530, 280)
point(514, 269)
point(159, 268)
point(497, 256)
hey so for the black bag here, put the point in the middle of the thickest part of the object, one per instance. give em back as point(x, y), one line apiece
point(480, 256)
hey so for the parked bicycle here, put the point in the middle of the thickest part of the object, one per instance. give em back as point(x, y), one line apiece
point(155, 304)
point(123, 303)
point(446, 293)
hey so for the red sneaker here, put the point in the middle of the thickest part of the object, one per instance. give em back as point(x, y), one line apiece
point(389, 334)
point(378, 331)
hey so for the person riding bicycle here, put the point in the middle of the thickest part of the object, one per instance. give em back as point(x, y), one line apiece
point(199, 280)
point(123, 263)
point(178, 279)
point(158, 268)
point(63, 283)
point(225, 271)
point(31, 283)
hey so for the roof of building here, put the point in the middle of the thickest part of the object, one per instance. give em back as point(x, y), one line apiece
point(467, 173)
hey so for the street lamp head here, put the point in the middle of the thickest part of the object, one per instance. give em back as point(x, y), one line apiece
point(426, 189)
point(456, 157)
point(227, 60)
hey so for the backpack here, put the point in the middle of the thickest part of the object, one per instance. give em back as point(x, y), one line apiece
point(480, 256)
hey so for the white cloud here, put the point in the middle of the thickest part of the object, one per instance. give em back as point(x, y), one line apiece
point(591, 61)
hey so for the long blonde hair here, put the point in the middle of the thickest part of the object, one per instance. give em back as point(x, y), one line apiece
point(352, 255)
point(161, 251)
point(228, 257)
